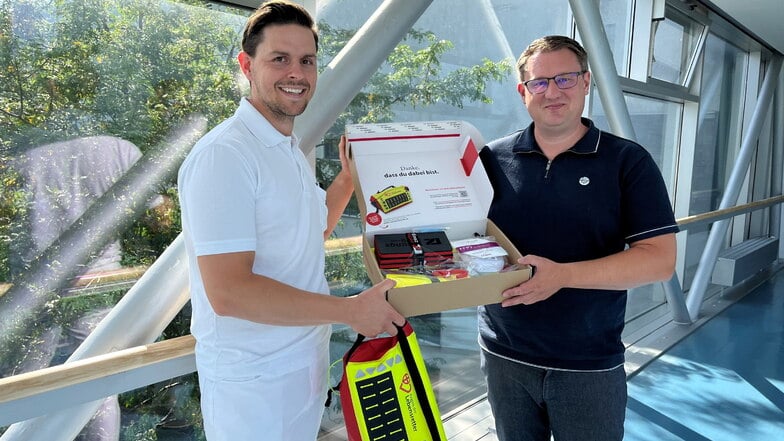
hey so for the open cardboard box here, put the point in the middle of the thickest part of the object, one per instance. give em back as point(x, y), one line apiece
point(421, 176)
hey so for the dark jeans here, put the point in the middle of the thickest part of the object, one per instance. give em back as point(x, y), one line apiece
point(531, 404)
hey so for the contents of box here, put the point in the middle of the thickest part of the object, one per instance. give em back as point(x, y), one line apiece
point(422, 191)
point(417, 258)
point(402, 250)
point(481, 255)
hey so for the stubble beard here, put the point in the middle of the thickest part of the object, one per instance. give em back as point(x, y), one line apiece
point(283, 112)
point(277, 109)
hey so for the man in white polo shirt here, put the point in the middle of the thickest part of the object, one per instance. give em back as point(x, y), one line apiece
point(255, 222)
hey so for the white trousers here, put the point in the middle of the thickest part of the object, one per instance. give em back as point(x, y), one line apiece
point(273, 406)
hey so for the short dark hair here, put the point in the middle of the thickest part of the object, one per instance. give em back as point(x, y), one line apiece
point(551, 43)
point(272, 13)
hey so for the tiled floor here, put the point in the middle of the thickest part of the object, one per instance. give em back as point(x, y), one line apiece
point(724, 381)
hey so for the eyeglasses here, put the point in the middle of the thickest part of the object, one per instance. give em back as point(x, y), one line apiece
point(562, 81)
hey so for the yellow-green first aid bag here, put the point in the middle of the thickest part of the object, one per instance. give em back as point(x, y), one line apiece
point(385, 391)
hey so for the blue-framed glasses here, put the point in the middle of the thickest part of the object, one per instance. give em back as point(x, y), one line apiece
point(562, 81)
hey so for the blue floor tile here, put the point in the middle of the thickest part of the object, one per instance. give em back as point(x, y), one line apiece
point(723, 382)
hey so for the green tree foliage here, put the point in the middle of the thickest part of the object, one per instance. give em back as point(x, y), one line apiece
point(412, 76)
point(129, 68)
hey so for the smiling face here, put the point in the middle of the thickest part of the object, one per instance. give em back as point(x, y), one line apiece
point(556, 112)
point(282, 73)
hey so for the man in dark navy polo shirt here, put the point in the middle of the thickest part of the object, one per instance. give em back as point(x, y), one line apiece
point(590, 212)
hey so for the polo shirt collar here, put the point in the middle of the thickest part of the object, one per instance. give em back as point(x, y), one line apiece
point(589, 143)
point(258, 125)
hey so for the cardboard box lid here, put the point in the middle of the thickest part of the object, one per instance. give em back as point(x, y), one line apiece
point(419, 176)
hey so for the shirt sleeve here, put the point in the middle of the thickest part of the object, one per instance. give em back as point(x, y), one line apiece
point(217, 193)
point(647, 211)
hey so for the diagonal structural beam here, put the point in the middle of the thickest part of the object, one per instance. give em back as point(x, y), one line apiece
point(717, 232)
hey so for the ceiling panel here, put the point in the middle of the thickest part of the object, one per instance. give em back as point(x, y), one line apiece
point(761, 17)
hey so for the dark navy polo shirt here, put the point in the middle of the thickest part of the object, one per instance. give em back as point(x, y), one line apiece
point(588, 202)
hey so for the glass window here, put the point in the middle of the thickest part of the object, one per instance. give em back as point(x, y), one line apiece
point(657, 125)
point(676, 41)
point(719, 134)
point(616, 18)
point(719, 126)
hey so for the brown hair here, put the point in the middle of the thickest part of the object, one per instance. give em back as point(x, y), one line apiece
point(272, 13)
point(551, 43)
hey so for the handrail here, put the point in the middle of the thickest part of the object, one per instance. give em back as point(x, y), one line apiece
point(90, 369)
point(52, 383)
point(120, 365)
point(705, 218)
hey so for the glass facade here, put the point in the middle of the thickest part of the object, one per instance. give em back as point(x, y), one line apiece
point(676, 39)
point(94, 94)
point(719, 134)
point(617, 18)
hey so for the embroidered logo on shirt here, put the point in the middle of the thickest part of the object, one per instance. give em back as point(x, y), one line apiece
point(584, 181)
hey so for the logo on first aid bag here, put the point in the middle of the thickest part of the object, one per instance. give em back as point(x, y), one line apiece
point(405, 384)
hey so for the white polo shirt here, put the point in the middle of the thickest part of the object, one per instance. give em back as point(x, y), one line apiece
point(247, 187)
